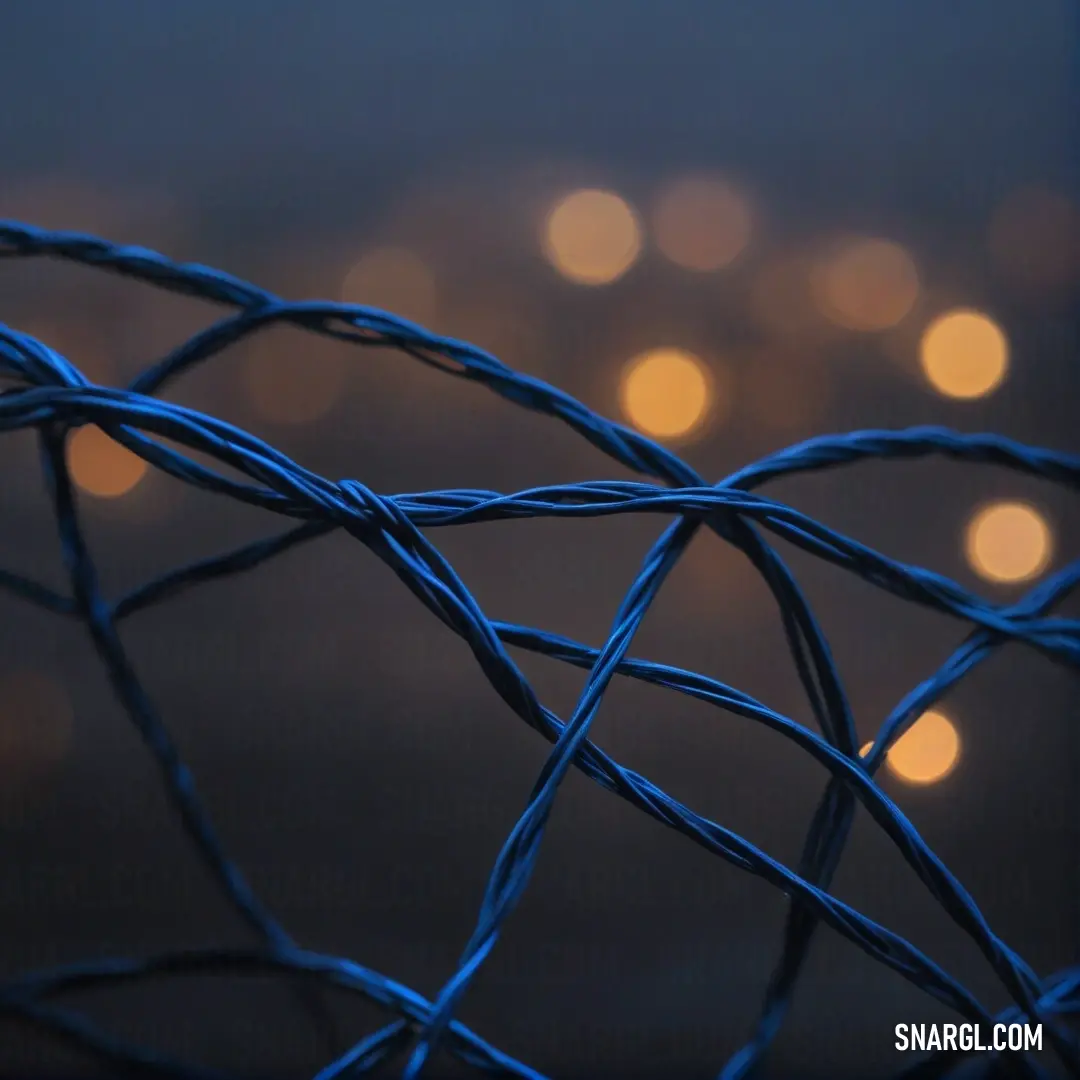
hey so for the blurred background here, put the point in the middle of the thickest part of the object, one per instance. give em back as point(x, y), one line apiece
point(731, 225)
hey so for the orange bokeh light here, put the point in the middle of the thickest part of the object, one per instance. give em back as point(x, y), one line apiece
point(1008, 542)
point(702, 224)
point(866, 284)
point(100, 465)
point(964, 354)
point(926, 753)
point(592, 237)
point(666, 393)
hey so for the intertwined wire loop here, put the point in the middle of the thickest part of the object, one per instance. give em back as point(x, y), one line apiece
point(49, 394)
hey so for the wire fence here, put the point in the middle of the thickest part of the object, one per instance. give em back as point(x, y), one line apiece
point(47, 393)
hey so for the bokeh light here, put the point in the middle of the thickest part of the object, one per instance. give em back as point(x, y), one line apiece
point(592, 237)
point(100, 465)
point(396, 280)
point(666, 393)
point(1008, 542)
point(292, 381)
point(866, 284)
point(964, 354)
point(927, 752)
point(1034, 241)
point(702, 223)
point(35, 729)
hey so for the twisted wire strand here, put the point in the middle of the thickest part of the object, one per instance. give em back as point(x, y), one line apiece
point(53, 396)
point(342, 974)
point(89, 604)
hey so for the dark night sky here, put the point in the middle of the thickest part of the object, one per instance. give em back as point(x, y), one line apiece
point(359, 766)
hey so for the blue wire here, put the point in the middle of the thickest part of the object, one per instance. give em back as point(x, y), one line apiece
point(51, 395)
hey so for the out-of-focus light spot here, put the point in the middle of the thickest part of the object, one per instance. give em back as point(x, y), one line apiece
point(702, 224)
point(35, 729)
point(592, 237)
point(927, 752)
point(100, 465)
point(1034, 240)
point(291, 382)
point(396, 280)
point(1008, 541)
point(666, 392)
point(964, 354)
point(866, 284)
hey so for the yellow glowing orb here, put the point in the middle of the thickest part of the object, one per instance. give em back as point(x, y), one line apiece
point(702, 224)
point(396, 280)
point(927, 752)
point(866, 284)
point(100, 465)
point(964, 354)
point(592, 237)
point(1008, 541)
point(666, 392)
